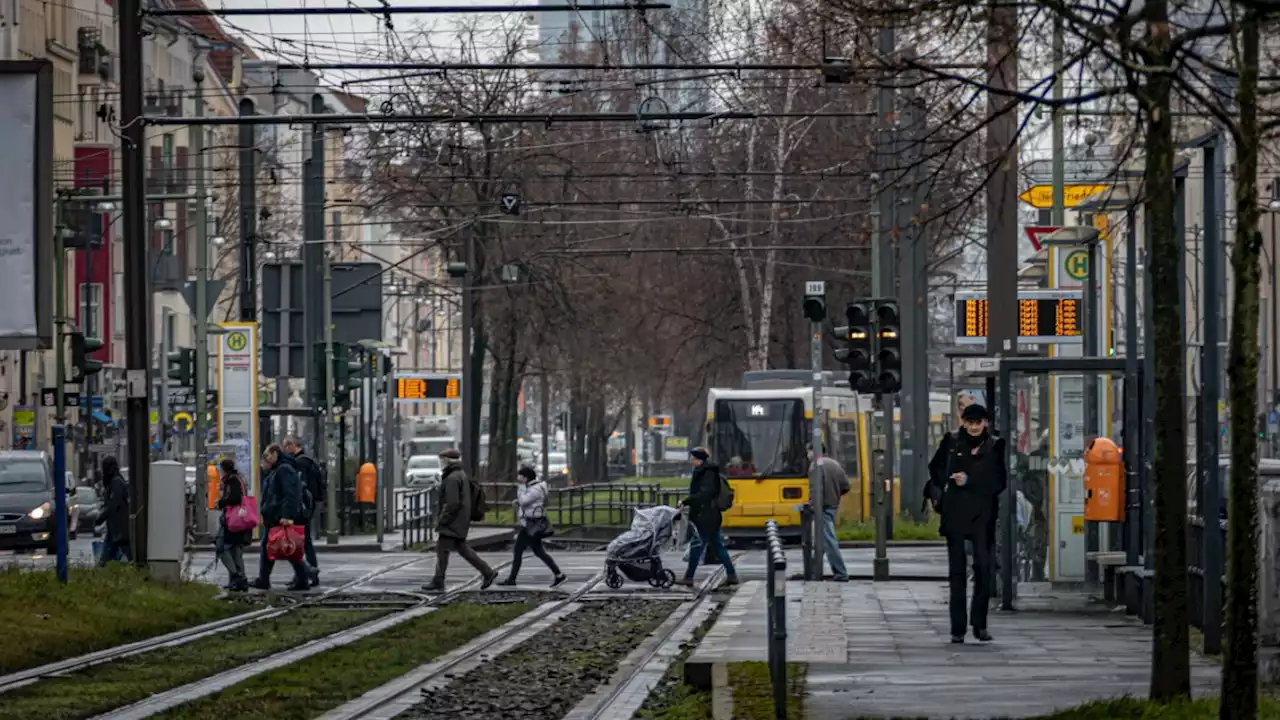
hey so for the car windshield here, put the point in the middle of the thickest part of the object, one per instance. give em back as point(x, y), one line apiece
point(23, 476)
point(760, 438)
point(86, 494)
point(424, 463)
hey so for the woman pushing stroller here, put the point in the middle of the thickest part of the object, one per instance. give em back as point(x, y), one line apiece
point(531, 513)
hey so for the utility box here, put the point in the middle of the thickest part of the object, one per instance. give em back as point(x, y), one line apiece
point(1103, 482)
point(166, 520)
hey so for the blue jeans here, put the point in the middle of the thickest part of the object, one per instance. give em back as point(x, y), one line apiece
point(717, 546)
point(832, 544)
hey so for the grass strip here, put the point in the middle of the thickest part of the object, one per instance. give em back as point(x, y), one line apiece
point(113, 685)
point(315, 685)
point(1141, 709)
point(671, 698)
point(903, 529)
point(753, 690)
point(98, 608)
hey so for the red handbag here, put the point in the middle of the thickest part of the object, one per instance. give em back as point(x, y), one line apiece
point(286, 542)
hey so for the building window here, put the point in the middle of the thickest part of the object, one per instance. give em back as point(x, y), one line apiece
point(117, 304)
point(91, 309)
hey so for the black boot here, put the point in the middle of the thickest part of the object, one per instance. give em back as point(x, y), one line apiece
point(509, 582)
point(435, 585)
point(260, 584)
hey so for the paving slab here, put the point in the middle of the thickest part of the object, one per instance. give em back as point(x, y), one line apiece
point(882, 650)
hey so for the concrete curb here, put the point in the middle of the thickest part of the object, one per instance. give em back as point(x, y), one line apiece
point(866, 544)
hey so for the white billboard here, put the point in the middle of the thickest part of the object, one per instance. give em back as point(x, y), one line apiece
point(26, 204)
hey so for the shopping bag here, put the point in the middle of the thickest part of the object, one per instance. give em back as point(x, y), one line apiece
point(243, 517)
point(285, 542)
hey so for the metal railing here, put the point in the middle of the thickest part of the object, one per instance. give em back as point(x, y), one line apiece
point(776, 591)
point(1196, 579)
point(416, 517)
point(604, 504)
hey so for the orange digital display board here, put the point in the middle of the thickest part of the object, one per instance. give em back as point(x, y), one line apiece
point(1056, 318)
point(428, 388)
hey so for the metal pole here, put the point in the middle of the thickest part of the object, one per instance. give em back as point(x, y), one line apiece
point(248, 217)
point(313, 250)
point(60, 310)
point(137, 280)
point(388, 448)
point(915, 312)
point(882, 481)
point(545, 401)
point(162, 426)
point(60, 498)
point(1002, 189)
point(816, 471)
point(1058, 212)
point(1210, 391)
point(469, 384)
point(1132, 418)
point(331, 487)
point(201, 312)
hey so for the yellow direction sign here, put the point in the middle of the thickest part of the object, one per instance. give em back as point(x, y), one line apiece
point(1041, 196)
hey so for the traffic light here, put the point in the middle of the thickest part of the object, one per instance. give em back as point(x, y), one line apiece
point(858, 354)
point(347, 368)
point(182, 366)
point(888, 347)
point(815, 300)
point(82, 366)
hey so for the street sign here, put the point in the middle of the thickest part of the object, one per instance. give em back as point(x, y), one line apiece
point(1035, 232)
point(183, 421)
point(815, 287)
point(1041, 196)
point(212, 289)
point(511, 203)
point(1077, 264)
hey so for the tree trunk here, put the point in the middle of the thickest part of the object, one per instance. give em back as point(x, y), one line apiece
point(1170, 666)
point(577, 435)
point(1240, 661)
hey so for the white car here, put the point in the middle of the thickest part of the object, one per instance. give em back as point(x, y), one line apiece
point(422, 471)
point(557, 464)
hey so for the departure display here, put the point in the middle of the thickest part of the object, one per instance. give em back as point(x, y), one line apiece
point(1044, 316)
point(428, 388)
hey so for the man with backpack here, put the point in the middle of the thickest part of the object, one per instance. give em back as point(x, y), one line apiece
point(461, 501)
point(313, 480)
point(835, 485)
point(709, 496)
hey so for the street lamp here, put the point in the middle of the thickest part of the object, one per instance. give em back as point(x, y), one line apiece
point(218, 240)
point(162, 223)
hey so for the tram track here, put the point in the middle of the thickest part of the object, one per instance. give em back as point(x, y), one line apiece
point(24, 678)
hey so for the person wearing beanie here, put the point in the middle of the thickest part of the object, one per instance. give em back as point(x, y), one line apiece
point(705, 516)
point(531, 515)
point(454, 498)
point(975, 477)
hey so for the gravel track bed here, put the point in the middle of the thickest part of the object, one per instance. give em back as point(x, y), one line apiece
point(504, 597)
point(544, 678)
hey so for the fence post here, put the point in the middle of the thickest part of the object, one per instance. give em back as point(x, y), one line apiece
point(806, 542)
point(777, 610)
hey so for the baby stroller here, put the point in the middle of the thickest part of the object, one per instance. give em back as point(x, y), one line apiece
point(637, 553)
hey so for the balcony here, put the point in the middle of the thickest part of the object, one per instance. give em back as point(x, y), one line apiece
point(94, 58)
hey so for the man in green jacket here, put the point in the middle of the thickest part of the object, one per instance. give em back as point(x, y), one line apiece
point(453, 498)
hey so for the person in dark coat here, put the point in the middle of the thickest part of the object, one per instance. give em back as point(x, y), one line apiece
point(115, 510)
point(705, 516)
point(313, 480)
point(283, 503)
point(453, 497)
point(976, 475)
point(230, 545)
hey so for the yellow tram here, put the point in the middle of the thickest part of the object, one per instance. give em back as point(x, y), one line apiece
point(759, 435)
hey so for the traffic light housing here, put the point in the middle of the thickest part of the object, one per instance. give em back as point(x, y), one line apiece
point(888, 346)
point(815, 301)
point(859, 353)
point(82, 366)
point(181, 366)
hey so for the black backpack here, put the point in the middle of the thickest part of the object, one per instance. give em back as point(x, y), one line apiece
point(724, 498)
point(479, 503)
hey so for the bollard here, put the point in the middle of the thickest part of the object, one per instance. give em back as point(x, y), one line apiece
point(806, 544)
point(777, 610)
point(60, 499)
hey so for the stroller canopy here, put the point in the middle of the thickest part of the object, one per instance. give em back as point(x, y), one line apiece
point(649, 529)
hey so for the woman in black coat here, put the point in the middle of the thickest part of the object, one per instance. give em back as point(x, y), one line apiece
point(230, 545)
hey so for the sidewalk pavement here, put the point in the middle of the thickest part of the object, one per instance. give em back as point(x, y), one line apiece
point(883, 650)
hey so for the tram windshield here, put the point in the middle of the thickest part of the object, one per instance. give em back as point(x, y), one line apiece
point(760, 438)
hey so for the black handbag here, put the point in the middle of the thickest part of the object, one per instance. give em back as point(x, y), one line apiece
point(539, 528)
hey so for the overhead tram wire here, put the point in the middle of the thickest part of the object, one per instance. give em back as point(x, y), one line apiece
point(376, 10)
point(493, 118)
point(601, 66)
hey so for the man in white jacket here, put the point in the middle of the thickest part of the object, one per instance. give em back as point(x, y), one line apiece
point(531, 514)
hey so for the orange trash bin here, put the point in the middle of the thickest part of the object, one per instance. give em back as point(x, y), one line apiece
point(367, 483)
point(1103, 482)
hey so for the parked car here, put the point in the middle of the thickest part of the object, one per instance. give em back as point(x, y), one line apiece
point(26, 500)
point(422, 471)
point(90, 508)
point(557, 464)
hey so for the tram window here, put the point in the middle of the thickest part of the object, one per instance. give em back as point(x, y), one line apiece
point(847, 446)
point(760, 438)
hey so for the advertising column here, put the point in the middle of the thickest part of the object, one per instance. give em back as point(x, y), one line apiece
point(238, 396)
